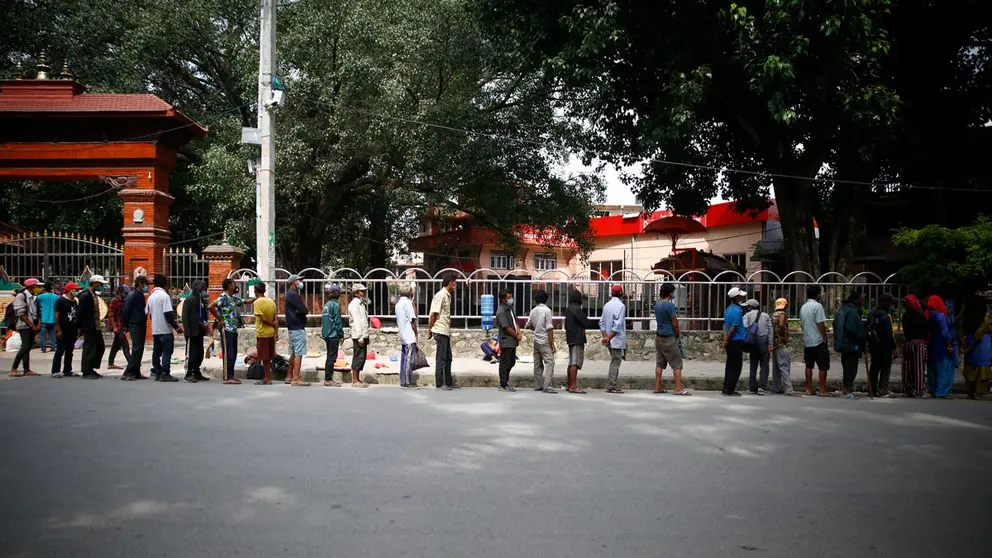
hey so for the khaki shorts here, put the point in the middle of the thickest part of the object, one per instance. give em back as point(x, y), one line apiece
point(576, 355)
point(667, 352)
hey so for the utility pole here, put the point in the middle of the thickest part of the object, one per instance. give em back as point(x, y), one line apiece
point(265, 199)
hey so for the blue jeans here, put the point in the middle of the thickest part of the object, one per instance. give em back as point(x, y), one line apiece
point(229, 344)
point(47, 333)
point(162, 345)
point(406, 363)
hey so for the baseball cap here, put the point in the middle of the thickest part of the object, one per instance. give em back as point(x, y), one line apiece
point(752, 303)
point(98, 279)
point(616, 289)
point(71, 285)
point(30, 282)
point(781, 303)
point(293, 278)
point(358, 287)
point(734, 293)
point(333, 288)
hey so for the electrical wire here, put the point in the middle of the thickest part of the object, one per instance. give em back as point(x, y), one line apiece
point(96, 195)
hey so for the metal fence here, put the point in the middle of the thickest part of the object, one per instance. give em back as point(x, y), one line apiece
point(184, 266)
point(60, 257)
point(701, 299)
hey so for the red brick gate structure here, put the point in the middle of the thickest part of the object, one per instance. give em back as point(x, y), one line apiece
point(52, 130)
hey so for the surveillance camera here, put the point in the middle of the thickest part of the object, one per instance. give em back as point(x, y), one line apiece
point(252, 167)
point(275, 100)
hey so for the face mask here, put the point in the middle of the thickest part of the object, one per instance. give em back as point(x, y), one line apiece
point(74, 293)
point(509, 301)
point(144, 288)
point(203, 294)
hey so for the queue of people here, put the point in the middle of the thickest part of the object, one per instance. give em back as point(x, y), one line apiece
point(929, 348)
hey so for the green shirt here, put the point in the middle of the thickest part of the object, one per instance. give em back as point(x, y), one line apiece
point(227, 307)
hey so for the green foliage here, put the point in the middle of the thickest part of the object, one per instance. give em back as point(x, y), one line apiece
point(354, 166)
point(948, 261)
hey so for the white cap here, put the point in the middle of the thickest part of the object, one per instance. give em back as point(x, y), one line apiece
point(357, 287)
point(98, 279)
point(735, 292)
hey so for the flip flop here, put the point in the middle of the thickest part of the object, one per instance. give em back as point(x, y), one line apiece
point(16, 374)
point(31, 373)
point(359, 385)
point(234, 382)
point(614, 390)
point(660, 391)
point(300, 383)
point(577, 391)
point(684, 392)
point(262, 383)
point(288, 382)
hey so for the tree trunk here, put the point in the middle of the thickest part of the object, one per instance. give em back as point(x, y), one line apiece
point(795, 198)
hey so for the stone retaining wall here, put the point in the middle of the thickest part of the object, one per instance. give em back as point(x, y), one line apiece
point(702, 345)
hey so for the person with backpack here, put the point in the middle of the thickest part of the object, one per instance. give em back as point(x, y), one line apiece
point(135, 325)
point(849, 339)
point(759, 345)
point(46, 301)
point(27, 325)
point(576, 324)
point(881, 345)
point(195, 329)
point(66, 331)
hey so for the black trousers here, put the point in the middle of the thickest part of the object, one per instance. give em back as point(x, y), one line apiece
point(849, 364)
point(24, 353)
point(881, 367)
point(137, 351)
point(332, 357)
point(735, 364)
point(507, 358)
point(442, 361)
point(63, 353)
point(119, 344)
point(194, 355)
point(93, 347)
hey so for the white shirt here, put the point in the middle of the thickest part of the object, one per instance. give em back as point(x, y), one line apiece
point(358, 319)
point(540, 320)
point(159, 302)
point(405, 316)
point(441, 305)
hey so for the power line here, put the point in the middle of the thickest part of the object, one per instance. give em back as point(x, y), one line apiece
point(669, 162)
point(98, 194)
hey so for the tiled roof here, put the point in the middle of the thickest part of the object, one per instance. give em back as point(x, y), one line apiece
point(85, 103)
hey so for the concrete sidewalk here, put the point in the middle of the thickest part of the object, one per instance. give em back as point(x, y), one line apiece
point(467, 372)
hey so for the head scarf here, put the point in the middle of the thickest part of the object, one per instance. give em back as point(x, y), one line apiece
point(913, 303)
point(937, 304)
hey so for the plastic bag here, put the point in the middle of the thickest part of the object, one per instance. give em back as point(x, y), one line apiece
point(420, 359)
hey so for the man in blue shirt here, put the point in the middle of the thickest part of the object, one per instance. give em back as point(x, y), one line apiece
point(613, 326)
point(47, 302)
point(666, 340)
point(734, 335)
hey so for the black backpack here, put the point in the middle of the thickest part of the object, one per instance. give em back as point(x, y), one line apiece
point(10, 317)
point(255, 372)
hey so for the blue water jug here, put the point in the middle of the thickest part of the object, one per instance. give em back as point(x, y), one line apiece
point(488, 305)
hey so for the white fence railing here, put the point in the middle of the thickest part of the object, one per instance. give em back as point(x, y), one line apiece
point(701, 299)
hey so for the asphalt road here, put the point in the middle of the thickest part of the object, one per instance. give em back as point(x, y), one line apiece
point(108, 468)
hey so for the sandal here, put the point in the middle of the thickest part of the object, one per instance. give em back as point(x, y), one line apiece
point(288, 381)
point(233, 382)
point(577, 391)
point(359, 385)
point(660, 391)
point(31, 373)
point(128, 379)
point(684, 392)
point(614, 390)
point(262, 383)
point(300, 383)
point(16, 374)
point(332, 383)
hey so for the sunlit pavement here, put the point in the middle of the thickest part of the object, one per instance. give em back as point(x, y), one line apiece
point(109, 468)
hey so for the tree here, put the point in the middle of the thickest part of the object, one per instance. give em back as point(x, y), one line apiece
point(786, 91)
point(948, 261)
point(355, 163)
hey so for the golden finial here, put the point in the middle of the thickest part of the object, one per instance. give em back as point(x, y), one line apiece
point(66, 71)
point(20, 70)
point(45, 233)
point(43, 68)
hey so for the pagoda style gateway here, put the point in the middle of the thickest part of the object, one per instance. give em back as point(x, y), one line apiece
point(52, 130)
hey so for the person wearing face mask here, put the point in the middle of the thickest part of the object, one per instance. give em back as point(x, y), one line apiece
point(163, 318)
point(115, 318)
point(28, 325)
point(296, 323)
point(358, 320)
point(225, 310)
point(66, 331)
point(88, 313)
point(850, 339)
point(135, 325)
point(509, 339)
point(195, 329)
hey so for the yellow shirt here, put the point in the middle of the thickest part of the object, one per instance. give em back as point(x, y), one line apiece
point(265, 307)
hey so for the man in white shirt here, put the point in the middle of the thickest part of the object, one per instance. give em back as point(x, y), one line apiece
point(540, 321)
point(159, 307)
point(358, 319)
point(440, 331)
point(406, 322)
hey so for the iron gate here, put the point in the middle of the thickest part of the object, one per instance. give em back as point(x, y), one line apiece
point(60, 257)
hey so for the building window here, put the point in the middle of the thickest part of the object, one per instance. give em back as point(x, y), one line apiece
point(739, 259)
point(545, 262)
point(500, 260)
point(602, 270)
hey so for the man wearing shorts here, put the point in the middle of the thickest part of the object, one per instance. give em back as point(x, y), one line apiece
point(296, 323)
point(576, 324)
point(266, 332)
point(812, 318)
point(666, 341)
point(358, 319)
